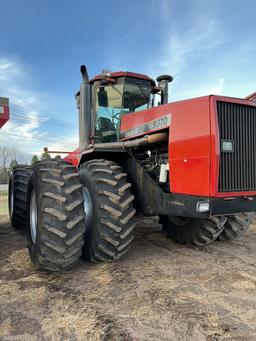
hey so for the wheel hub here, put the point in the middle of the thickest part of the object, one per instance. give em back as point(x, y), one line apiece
point(180, 221)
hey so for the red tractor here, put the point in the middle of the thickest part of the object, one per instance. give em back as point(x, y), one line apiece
point(191, 162)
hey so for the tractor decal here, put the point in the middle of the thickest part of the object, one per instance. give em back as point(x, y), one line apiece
point(159, 123)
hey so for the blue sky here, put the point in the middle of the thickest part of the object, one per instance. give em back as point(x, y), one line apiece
point(209, 46)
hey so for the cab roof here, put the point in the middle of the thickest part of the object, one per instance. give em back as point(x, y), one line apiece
point(119, 74)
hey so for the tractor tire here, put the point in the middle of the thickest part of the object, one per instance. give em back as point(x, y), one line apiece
point(193, 231)
point(17, 195)
point(109, 211)
point(236, 225)
point(55, 216)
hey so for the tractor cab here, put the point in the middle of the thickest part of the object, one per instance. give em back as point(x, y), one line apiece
point(116, 94)
point(103, 100)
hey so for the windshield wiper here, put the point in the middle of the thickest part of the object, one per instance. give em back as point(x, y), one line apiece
point(141, 90)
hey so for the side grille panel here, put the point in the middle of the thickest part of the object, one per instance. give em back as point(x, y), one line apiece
point(237, 124)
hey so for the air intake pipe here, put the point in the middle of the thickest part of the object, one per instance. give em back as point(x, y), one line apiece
point(84, 104)
point(163, 83)
point(142, 141)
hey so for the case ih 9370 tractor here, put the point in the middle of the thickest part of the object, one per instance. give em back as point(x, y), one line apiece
point(191, 162)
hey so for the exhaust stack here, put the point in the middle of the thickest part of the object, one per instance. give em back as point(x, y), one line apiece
point(84, 101)
point(163, 84)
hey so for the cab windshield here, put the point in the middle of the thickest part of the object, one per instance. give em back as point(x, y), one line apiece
point(114, 100)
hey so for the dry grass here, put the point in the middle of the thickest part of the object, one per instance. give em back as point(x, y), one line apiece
point(3, 203)
point(161, 291)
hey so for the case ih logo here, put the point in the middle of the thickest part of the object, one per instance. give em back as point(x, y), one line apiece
point(162, 122)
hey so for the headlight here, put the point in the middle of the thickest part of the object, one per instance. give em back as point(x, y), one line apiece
point(202, 206)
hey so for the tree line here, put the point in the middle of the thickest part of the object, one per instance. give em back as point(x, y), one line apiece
point(11, 157)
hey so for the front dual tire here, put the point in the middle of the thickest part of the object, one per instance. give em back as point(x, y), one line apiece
point(109, 210)
point(55, 216)
point(68, 216)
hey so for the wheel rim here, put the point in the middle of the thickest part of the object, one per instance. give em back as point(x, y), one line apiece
point(178, 220)
point(87, 207)
point(33, 216)
point(11, 200)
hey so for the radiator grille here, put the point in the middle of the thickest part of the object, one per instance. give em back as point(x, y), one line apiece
point(237, 123)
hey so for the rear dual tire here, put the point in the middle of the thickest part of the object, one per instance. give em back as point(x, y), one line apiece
point(17, 195)
point(236, 226)
point(193, 231)
point(202, 232)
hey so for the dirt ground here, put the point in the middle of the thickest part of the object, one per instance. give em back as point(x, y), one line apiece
point(161, 291)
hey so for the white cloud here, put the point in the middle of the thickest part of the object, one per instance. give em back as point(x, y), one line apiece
point(12, 80)
point(25, 133)
point(202, 54)
point(216, 89)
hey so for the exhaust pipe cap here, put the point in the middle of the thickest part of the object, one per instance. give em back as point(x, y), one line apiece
point(167, 78)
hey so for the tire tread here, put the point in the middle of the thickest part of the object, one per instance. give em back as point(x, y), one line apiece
point(62, 225)
point(114, 221)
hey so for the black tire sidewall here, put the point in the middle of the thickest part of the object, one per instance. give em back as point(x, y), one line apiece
point(17, 189)
point(182, 232)
point(175, 230)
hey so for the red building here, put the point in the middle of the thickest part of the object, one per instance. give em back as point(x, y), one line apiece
point(4, 110)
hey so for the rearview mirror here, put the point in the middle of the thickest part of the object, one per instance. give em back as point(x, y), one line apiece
point(102, 97)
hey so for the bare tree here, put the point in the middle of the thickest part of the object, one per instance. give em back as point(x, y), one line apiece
point(4, 156)
point(8, 155)
point(8, 158)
